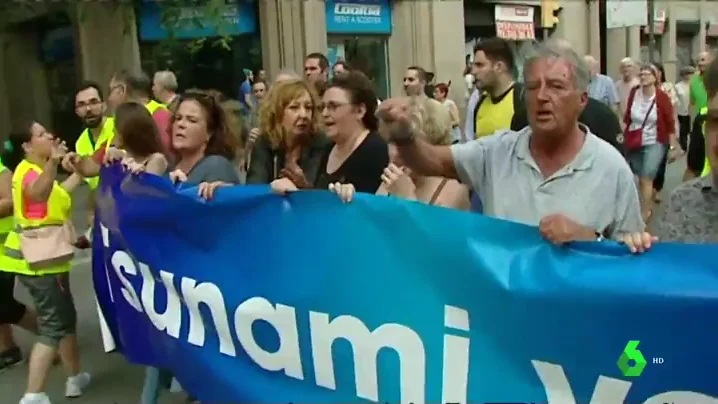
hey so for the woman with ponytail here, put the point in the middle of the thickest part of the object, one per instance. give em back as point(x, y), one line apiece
point(441, 94)
point(39, 251)
point(12, 312)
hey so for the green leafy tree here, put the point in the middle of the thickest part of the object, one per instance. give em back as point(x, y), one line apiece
point(175, 15)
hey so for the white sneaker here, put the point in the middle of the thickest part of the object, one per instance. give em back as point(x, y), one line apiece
point(75, 385)
point(35, 398)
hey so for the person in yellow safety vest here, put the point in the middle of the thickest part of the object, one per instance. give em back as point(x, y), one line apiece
point(127, 86)
point(11, 310)
point(701, 120)
point(39, 201)
point(707, 165)
point(99, 131)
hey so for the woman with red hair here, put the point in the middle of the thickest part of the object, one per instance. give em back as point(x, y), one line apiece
point(441, 94)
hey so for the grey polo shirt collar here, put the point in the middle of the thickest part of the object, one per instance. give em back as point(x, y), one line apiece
point(582, 162)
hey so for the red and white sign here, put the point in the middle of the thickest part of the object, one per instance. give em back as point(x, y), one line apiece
point(659, 23)
point(514, 22)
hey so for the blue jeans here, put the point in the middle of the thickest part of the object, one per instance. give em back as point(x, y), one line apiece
point(156, 380)
point(646, 160)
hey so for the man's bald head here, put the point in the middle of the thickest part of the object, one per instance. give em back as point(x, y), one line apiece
point(592, 64)
point(704, 59)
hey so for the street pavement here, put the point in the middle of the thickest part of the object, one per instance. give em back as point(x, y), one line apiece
point(114, 380)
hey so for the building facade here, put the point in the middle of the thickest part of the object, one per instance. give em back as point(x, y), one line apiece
point(47, 49)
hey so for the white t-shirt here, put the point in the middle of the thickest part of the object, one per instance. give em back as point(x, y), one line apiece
point(639, 109)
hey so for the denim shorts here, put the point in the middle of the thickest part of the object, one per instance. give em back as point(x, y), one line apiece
point(646, 160)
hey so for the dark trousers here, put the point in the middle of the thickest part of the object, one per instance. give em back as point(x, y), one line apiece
point(661, 174)
point(684, 124)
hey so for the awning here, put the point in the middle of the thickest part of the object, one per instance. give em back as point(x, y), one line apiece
point(514, 22)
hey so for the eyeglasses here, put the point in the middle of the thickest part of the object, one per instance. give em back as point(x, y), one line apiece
point(90, 104)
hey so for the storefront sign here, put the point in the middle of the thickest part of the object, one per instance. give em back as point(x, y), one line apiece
point(238, 17)
point(358, 16)
point(514, 22)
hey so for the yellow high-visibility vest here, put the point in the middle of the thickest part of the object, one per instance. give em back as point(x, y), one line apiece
point(153, 106)
point(6, 223)
point(59, 206)
point(707, 165)
point(85, 146)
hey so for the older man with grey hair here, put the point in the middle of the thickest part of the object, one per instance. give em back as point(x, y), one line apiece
point(601, 87)
point(628, 80)
point(164, 89)
point(554, 173)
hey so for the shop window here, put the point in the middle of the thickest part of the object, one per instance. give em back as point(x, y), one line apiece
point(367, 54)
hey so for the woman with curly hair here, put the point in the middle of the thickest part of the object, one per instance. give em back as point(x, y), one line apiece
point(290, 150)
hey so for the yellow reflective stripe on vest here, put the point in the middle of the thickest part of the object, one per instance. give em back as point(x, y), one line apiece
point(59, 206)
point(6, 223)
point(707, 164)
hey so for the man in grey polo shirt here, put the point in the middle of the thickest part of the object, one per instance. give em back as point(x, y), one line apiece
point(555, 173)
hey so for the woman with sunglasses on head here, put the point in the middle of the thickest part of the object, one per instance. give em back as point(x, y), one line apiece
point(290, 150)
point(41, 212)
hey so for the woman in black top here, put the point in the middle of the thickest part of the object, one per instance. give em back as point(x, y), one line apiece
point(359, 154)
point(290, 151)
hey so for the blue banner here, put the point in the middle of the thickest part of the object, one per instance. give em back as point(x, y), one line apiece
point(187, 21)
point(254, 297)
point(358, 16)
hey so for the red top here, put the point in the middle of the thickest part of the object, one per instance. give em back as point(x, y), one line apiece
point(665, 116)
point(162, 120)
point(99, 154)
point(32, 209)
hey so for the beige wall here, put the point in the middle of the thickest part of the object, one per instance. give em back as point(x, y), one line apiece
point(291, 29)
point(25, 92)
point(106, 37)
point(579, 24)
point(422, 37)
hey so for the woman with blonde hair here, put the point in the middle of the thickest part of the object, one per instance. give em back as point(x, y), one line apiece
point(290, 150)
point(398, 180)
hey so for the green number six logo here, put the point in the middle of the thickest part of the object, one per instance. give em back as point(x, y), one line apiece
point(631, 352)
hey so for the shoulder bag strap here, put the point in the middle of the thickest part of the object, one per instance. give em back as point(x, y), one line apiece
point(643, 125)
point(438, 191)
